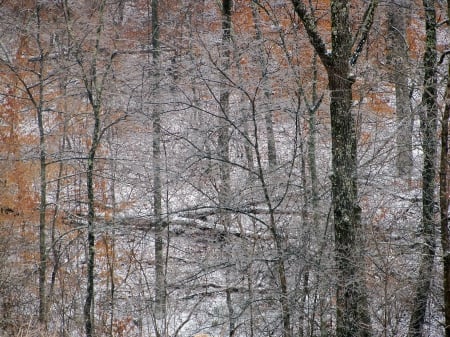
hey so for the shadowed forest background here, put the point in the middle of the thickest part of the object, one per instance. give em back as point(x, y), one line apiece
point(224, 168)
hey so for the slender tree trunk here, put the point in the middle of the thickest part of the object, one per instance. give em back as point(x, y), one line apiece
point(224, 132)
point(89, 302)
point(276, 235)
point(312, 111)
point(271, 148)
point(110, 239)
point(43, 319)
point(93, 83)
point(429, 146)
point(224, 189)
point(90, 296)
point(160, 277)
point(55, 244)
point(444, 195)
point(398, 13)
point(272, 162)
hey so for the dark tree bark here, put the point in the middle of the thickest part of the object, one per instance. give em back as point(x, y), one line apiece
point(352, 309)
point(43, 182)
point(428, 124)
point(89, 302)
point(444, 195)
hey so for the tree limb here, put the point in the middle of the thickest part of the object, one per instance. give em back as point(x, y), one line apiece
point(309, 22)
point(363, 31)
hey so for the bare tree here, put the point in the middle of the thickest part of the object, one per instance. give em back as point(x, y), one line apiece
point(352, 309)
point(428, 125)
point(160, 278)
point(94, 73)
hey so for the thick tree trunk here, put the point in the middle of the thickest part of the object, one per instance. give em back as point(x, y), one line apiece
point(444, 195)
point(352, 312)
point(351, 300)
point(429, 146)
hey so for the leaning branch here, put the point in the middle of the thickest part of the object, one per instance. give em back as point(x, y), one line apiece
point(309, 22)
point(363, 31)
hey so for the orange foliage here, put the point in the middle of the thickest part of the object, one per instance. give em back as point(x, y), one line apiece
point(123, 327)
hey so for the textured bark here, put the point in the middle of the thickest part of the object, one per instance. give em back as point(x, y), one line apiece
point(224, 102)
point(429, 147)
point(89, 301)
point(312, 111)
point(351, 300)
point(444, 195)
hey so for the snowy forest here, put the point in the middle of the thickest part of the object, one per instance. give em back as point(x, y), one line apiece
point(229, 168)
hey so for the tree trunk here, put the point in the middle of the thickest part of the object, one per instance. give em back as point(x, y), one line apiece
point(224, 132)
point(89, 302)
point(444, 195)
point(352, 314)
point(43, 183)
point(223, 141)
point(90, 258)
point(271, 147)
point(351, 300)
point(398, 13)
point(160, 277)
point(429, 146)
point(93, 85)
point(276, 236)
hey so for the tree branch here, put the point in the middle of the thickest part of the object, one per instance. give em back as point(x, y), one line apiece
point(443, 56)
point(309, 22)
point(363, 31)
